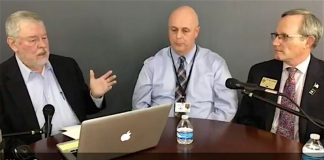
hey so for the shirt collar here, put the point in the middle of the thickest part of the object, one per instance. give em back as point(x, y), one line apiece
point(25, 71)
point(188, 56)
point(302, 67)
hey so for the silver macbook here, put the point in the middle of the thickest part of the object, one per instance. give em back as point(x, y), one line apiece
point(119, 134)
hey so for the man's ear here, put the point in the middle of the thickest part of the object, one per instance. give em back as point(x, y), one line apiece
point(12, 43)
point(197, 30)
point(310, 42)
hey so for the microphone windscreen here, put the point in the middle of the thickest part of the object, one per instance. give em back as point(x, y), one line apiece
point(24, 152)
point(48, 110)
point(231, 83)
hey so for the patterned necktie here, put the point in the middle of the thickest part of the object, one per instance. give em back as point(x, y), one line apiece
point(181, 73)
point(287, 120)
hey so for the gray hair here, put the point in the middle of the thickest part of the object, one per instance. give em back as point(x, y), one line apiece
point(311, 25)
point(14, 20)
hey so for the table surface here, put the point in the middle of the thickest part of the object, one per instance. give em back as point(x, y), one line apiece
point(212, 139)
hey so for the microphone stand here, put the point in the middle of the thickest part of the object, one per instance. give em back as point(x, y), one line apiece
point(315, 121)
point(46, 129)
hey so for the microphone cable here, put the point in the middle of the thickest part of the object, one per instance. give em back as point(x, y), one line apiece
point(318, 124)
point(303, 114)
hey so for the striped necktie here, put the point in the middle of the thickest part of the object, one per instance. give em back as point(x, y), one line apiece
point(181, 73)
point(286, 123)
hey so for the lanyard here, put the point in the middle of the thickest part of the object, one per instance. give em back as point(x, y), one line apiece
point(183, 90)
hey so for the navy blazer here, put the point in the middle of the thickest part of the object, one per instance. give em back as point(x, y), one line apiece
point(16, 110)
point(259, 114)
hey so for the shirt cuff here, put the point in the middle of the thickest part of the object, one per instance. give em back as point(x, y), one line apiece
point(97, 101)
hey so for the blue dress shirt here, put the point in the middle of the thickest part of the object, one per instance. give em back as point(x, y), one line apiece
point(206, 91)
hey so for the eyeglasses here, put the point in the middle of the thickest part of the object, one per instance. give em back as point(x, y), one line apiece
point(284, 36)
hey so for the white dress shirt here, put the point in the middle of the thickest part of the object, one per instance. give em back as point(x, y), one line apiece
point(43, 88)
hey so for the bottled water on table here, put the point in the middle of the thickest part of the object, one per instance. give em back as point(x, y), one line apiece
point(313, 149)
point(184, 131)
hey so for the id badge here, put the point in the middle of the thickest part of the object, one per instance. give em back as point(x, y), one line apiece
point(182, 107)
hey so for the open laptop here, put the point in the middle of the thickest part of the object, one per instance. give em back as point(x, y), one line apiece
point(119, 134)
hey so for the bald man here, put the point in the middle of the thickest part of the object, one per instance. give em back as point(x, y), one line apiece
point(186, 75)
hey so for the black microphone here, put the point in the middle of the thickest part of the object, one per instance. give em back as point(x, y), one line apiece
point(31, 132)
point(17, 149)
point(233, 83)
point(48, 112)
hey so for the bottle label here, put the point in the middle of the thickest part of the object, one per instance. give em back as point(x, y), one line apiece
point(310, 157)
point(185, 133)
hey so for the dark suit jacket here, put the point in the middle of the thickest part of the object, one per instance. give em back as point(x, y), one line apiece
point(16, 110)
point(259, 114)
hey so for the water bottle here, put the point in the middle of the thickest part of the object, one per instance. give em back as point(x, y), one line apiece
point(313, 149)
point(184, 131)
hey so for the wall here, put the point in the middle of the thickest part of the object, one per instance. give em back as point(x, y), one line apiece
point(120, 35)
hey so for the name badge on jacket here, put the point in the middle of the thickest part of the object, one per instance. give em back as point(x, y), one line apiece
point(268, 83)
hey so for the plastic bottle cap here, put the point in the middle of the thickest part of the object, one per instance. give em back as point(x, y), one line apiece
point(315, 136)
point(184, 116)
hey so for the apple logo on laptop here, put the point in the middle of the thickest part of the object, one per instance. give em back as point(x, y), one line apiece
point(125, 136)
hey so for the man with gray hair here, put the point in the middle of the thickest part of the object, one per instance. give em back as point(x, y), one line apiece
point(33, 78)
point(295, 72)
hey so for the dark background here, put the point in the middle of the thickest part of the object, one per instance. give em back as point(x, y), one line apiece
point(120, 35)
